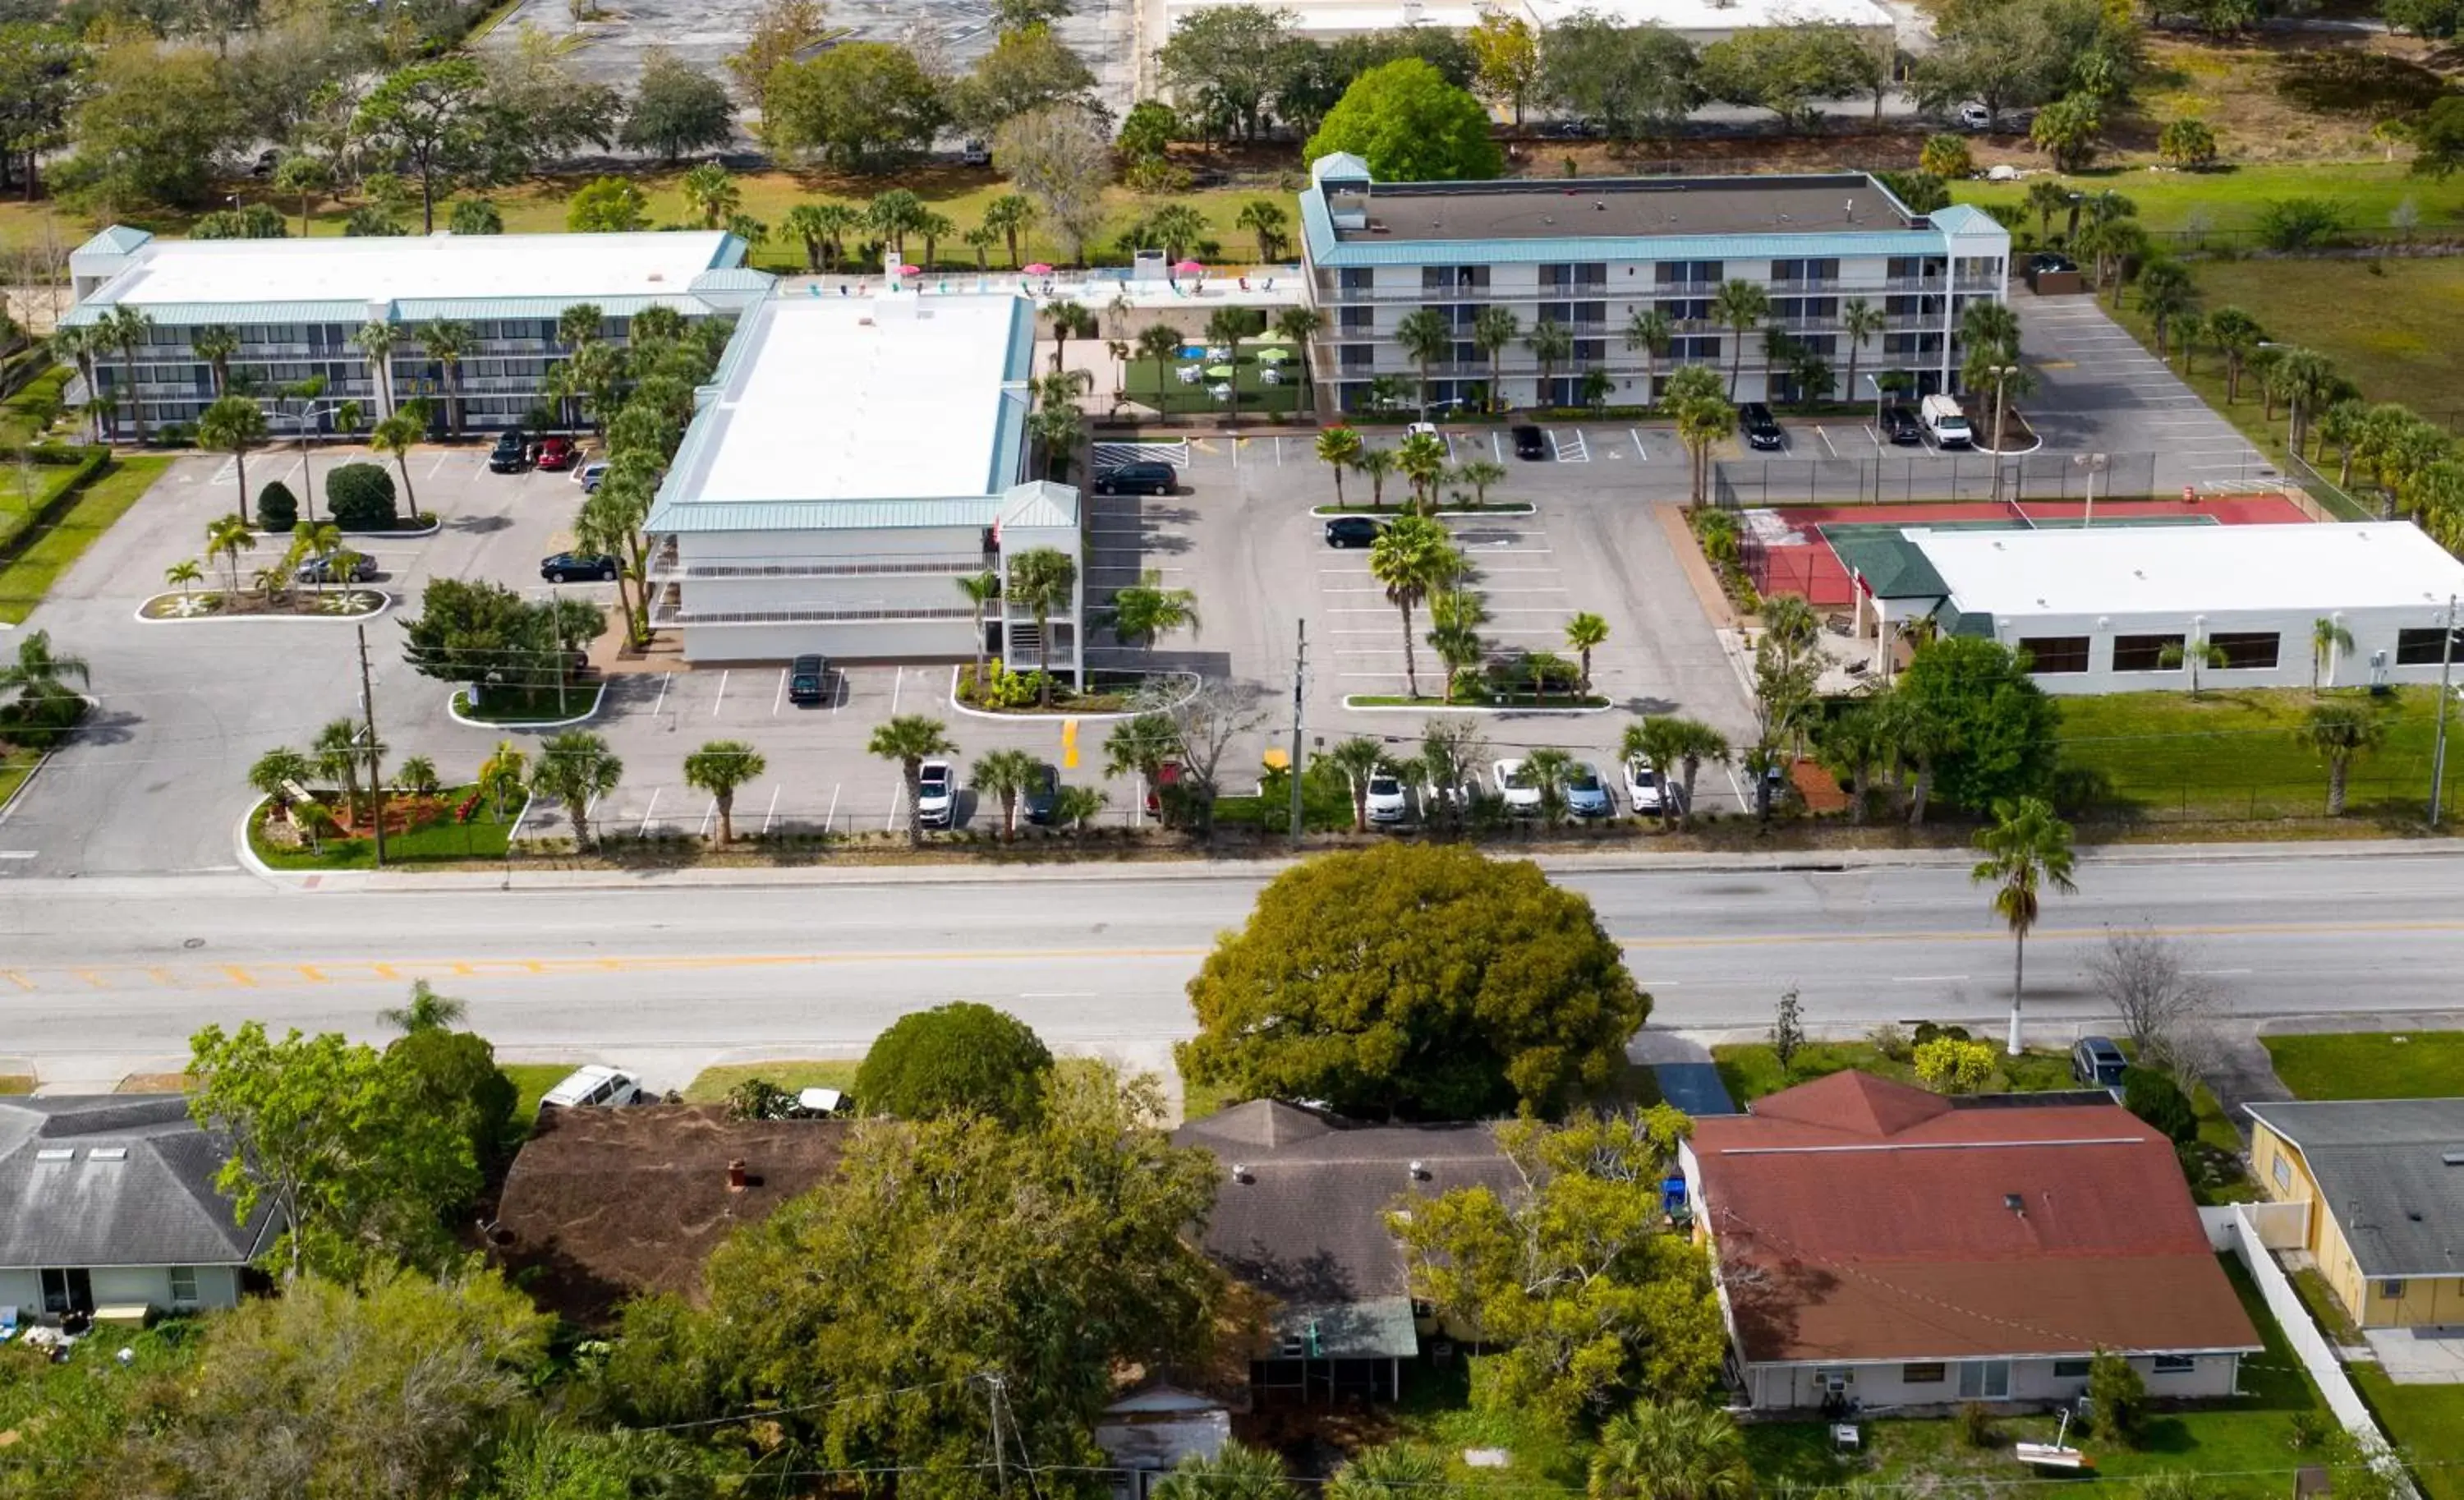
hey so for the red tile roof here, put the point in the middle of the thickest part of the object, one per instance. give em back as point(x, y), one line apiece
point(1861, 1219)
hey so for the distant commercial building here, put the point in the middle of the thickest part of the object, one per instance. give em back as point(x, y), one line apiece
point(1588, 254)
point(1700, 22)
point(2101, 610)
point(296, 304)
point(853, 458)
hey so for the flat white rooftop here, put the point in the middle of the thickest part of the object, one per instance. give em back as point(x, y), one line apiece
point(2145, 570)
point(438, 267)
point(833, 398)
point(1712, 15)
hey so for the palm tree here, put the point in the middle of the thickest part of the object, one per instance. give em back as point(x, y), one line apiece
point(337, 753)
point(1238, 1472)
point(2328, 640)
point(123, 330)
point(1988, 365)
point(1147, 609)
point(417, 775)
point(227, 539)
point(1073, 806)
point(1850, 745)
point(1455, 619)
point(2026, 850)
point(184, 575)
point(1159, 342)
point(911, 739)
point(320, 539)
point(932, 227)
point(375, 339)
point(2165, 291)
point(711, 194)
point(577, 769)
point(427, 1011)
point(1670, 1450)
point(1300, 326)
point(1422, 457)
point(1917, 738)
point(234, 425)
point(1702, 421)
point(1492, 331)
point(1684, 743)
point(2189, 328)
point(1006, 775)
point(1013, 214)
point(2338, 731)
point(2341, 424)
point(1651, 331)
point(277, 772)
point(449, 342)
point(1409, 559)
point(1376, 463)
point(396, 435)
point(1859, 321)
point(36, 674)
point(505, 770)
point(2194, 655)
point(2046, 197)
point(1043, 581)
point(215, 343)
point(1264, 218)
point(78, 344)
point(1551, 343)
point(1584, 633)
point(818, 229)
point(720, 767)
point(981, 589)
point(1069, 320)
point(2234, 333)
point(1549, 768)
point(1740, 306)
point(315, 820)
point(1428, 336)
point(1339, 448)
point(1358, 757)
point(1391, 1471)
point(2307, 381)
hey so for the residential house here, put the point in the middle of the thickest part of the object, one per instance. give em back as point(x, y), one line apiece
point(1880, 1244)
point(112, 1210)
point(2384, 1182)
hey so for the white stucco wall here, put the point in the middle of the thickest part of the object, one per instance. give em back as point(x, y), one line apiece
point(1793, 1386)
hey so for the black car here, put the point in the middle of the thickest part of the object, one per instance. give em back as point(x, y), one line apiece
point(1529, 442)
point(511, 452)
point(1352, 531)
point(808, 679)
point(579, 567)
point(1900, 427)
point(321, 570)
point(1137, 478)
point(2096, 1063)
point(2045, 260)
point(1755, 419)
point(1043, 794)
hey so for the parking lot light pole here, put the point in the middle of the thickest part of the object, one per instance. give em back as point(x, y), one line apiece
point(2091, 462)
point(1300, 687)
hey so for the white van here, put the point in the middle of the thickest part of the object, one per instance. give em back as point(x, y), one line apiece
point(1944, 419)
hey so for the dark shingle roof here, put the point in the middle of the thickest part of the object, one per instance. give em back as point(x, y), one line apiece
point(115, 1180)
point(2391, 1172)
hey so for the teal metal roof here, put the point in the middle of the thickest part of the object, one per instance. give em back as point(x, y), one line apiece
point(1892, 566)
point(423, 309)
point(733, 279)
point(1040, 502)
point(184, 315)
point(117, 240)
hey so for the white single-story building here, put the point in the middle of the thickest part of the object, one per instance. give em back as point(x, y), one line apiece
point(853, 460)
point(2107, 609)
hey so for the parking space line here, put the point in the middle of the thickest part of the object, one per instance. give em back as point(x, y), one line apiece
point(708, 814)
point(1497, 447)
point(721, 697)
point(774, 806)
point(781, 695)
point(831, 817)
point(897, 682)
point(1638, 451)
point(1574, 451)
point(897, 797)
point(665, 678)
point(1826, 440)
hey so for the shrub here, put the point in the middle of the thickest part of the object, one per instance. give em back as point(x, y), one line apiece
point(1926, 1031)
point(760, 1099)
point(2311, 1430)
point(1947, 1064)
point(2299, 223)
point(1921, 192)
point(958, 1058)
point(1892, 1042)
point(2117, 1397)
point(2152, 1096)
point(1976, 1425)
point(278, 509)
point(1945, 156)
point(2187, 142)
point(361, 496)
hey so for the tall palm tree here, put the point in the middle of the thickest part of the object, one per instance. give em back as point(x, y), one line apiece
point(1159, 342)
point(123, 331)
point(1408, 558)
point(2165, 291)
point(449, 342)
point(1739, 306)
point(1551, 343)
point(227, 539)
point(720, 767)
point(1006, 775)
point(1550, 769)
point(933, 227)
point(234, 425)
point(2328, 640)
point(1670, 1450)
point(1684, 743)
point(396, 435)
point(1493, 329)
point(1358, 757)
point(215, 343)
point(426, 1011)
point(2189, 328)
point(78, 344)
point(1455, 619)
point(1422, 458)
point(981, 589)
point(911, 739)
point(1301, 325)
point(2338, 731)
point(1238, 1472)
point(2307, 381)
point(1376, 463)
point(577, 769)
point(375, 340)
point(1859, 321)
point(1700, 422)
point(1339, 448)
point(1013, 214)
point(1585, 632)
point(338, 752)
point(1147, 609)
point(2234, 333)
point(1068, 320)
point(1428, 336)
point(2027, 850)
point(1043, 581)
point(1652, 332)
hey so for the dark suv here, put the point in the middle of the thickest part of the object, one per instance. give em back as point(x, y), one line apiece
point(1761, 429)
point(511, 452)
point(1900, 427)
point(808, 679)
point(1138, 478)
point(1529, 442)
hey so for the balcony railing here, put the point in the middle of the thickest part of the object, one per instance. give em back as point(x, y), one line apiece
point(666, 613)
point(1639, 292)
point(667, 569)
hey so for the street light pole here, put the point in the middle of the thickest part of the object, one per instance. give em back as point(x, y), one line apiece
point(1300, 687)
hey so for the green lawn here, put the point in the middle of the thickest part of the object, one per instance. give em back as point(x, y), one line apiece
point(44, 553)
point(2370, 1065)
point(712, 1084)
point(531, 1080)
point(1257, 397)
point(2426, 1422)
point(434, 835)
point(25, 489)
point(2233, 753)
point(1752, 1070)
point(2232, 198)
point(16, 421)
point(15, 766)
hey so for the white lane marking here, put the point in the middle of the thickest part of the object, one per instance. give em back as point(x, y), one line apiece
point(708, 814)
point(1826, 440)
point(648, 811)
point(665, 678)
point(1639, 450)
point(897, 797)
point(897, 683)
point(19, 854)
point(720, 697)
point(833, 816)
point(1931, 978)
point(781, 695)
point(774, 806)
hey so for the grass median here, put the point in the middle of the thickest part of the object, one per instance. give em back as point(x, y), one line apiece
point(41, 554)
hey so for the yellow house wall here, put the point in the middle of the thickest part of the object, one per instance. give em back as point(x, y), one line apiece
point(2425, 1300)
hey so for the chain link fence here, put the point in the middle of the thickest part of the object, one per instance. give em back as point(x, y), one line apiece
point(1761, 483)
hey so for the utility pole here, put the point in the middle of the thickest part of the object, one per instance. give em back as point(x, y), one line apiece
point(376, 754)
point(1000, 1450)
point(2438, 749)
point(1300, 687)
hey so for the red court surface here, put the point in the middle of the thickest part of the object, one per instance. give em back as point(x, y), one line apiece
point(1798, 559)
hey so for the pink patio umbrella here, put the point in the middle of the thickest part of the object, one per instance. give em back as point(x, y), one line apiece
point(1189, 268)
point(1039, 269)
point(911, 270)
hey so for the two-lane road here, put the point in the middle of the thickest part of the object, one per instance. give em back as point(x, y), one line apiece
point(132, 967)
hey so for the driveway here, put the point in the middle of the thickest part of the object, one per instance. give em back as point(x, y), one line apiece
point(2100, 392)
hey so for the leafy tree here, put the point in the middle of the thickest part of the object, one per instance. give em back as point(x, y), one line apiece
point(2437, 135)
point(2067, 131)
point(1785, 69)
point(1060, 162)
point(1411, 125)
point(576, 768)
point(1996, 726)
point(559, 1463)
point(43, 71)
point(607, 206)
point(2026, 850)
point(1671, 1450)
point(1787, 1029)
point(360, 495)
point(861, 106)
point(255, 221)
point(350, 1164)
point(720, 768)
point(2152, 1094)
point(2119, 1397)
point(2188, 144)
point(676, 108)
point(455, 1077)
point(1953, 1065)
point(1030, 68)
point(2427, 19)
point(2012, 54)
point(1505, 58)
point(1636, 80)
point(2338, 731)
point(434, 118)
point(1147, 130)
point(152, 121)
point(911, 739)
point(779, 31)
point(960, 1058)
point(1514, 992)
point(473, 217)
point(1945, 156)
point(1229, 60)
point(1595, 1301)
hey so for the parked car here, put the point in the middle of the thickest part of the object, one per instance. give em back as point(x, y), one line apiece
point(1352, 531)
point(1900, 427)
point(589, 475)
point(2096, 1063)
point(1587, 796)
point(578, 567)
point(1944, 419)
point(808, 679)
point(1043, 794)
point(974, 153)
point(1975, 116)
point(1646, 791)
point(1416, 428)
point(1761, 429)
point(937, 794)
point(511, 452)
point(321, 570)
point(1514, 785)
point(267, 161)
point(1529, 442)
point(1137, 478)
point(1387, 802)
point(557, 454)
point(592, 1085)
point(1456, 798)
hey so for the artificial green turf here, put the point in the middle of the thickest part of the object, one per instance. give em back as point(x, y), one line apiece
point(2370, 1065)
point(2234, 754)
point(1257, 397)
point(49, 549)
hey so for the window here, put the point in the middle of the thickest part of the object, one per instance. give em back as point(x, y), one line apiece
point(184, 1285)
point(2422, 648)
point(1833, 1378)
point(2072, 1369)
point(2142, 652)
point(2283, 1174)
point(2390, 1289)
point(2247, 650)
point(1984, 1380)
point(2176, 1365)
point(1932, 1374)
point(2050, 655)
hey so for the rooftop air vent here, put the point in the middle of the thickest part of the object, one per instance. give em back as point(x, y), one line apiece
point(56, 1154)
point(107, 1153)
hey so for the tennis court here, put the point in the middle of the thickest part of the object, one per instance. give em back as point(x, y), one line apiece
point(1791, 549)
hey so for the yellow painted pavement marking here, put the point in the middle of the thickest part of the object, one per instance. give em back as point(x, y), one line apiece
point(1070, 745)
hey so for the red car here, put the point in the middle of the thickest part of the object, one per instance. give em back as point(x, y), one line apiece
point(556, 453)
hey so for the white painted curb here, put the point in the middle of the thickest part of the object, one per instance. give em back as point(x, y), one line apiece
point(1330, 513)
point(1057, 714)
point(312, 618)
point(1351, 704)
